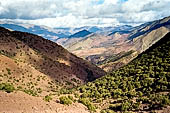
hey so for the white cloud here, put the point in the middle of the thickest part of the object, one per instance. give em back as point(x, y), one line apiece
point(70, 21)
point(111, 1)
point(140, 11)
point(72, 13)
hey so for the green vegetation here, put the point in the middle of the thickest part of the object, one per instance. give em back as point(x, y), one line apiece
point(116, 57)
point(30, 92)
point(87, 103)
point(7, 87)
point(65, 100)
point(144, 81)
point(47, 98)
point(66, 90)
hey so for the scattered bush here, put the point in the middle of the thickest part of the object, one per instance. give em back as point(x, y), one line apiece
point(47, 98)
point(65, 100)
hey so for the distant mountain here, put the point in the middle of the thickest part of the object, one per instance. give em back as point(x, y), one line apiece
point(79, 34)
point(46, 32)
point(94, 29)
point(118, 46)
point(107, 47)
point(125, 29)
point(91, 31)
point(107, 31)
point(148, 27)
point(63, 35)
point(73, 38)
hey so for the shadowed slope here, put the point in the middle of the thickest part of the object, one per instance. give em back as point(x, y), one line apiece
point(46, 57)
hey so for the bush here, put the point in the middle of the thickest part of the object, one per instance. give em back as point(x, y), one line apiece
point(47, 98)
point(87, 103)
point(70, 97)
point(76, 95)
point(65, 100)
point(107, 111)
point(7, 87)
point(65, 91)
point(125, 106)
point(30, 92)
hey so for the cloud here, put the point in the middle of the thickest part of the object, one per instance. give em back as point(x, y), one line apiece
point(69, 21)
point(29, 9)
point(144, 10)
point(73, 13)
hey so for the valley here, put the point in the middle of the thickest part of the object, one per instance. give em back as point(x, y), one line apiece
point(102, 70)
point(106, 47)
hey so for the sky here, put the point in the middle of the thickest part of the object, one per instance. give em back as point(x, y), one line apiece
point(77, 13)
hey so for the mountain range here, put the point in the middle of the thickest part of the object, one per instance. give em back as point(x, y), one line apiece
point(115, 49)
point(39, 75)
point(107, 47)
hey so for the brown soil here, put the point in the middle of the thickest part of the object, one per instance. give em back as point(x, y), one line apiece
point(20, 102)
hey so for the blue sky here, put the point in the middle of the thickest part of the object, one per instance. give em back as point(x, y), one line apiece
point(76, 13)
point(100, 2)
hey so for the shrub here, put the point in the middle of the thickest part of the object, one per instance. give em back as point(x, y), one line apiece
point(7, 87)
point(125, 106)
point(70, 97)
point(47, 98)
point(107, 111)
point(87, 103)
point(65, 91)
point(65, 100)
point(30, 92)
point(76, 95)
